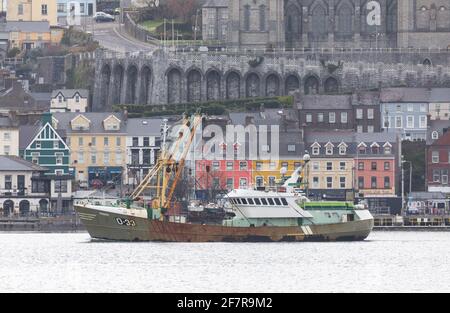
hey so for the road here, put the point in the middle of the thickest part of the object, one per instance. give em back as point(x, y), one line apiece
point(112, 36)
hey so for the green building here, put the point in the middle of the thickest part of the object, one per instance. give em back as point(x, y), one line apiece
point(41, 144)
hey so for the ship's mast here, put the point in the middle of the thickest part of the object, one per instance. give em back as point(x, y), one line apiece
point(170, 163)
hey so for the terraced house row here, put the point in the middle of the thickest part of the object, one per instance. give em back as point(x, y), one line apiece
point(342, 161)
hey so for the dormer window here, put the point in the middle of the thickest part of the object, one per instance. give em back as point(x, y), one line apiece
point(362, 148)
point(77, 99)
point(435, 135)
point(329, 149)
point(315, 149)
point(375, 148)
point(387, 148)
point(342, 149)
point(60, 99)
point(111, 123)
point(80, 123)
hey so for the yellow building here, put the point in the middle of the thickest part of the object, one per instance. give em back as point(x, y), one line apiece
point(97, 143)
point(32, 11)
point(269, 173)
point(331, 173)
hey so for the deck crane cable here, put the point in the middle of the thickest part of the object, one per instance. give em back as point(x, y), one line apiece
point(193, 125)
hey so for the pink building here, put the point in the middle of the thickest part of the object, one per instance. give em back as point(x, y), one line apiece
point(223, 174)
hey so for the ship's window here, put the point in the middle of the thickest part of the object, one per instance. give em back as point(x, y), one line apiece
point(244, 201)
point(250, 201)
point(277, 201)
point(283, 200)
point(257, 201)
point(270, 201)
point(238, 201)
point(264, 201)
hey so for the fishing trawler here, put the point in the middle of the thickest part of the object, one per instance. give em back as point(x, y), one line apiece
point(281, 215)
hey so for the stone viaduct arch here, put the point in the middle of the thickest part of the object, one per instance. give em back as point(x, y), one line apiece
point(163, 78)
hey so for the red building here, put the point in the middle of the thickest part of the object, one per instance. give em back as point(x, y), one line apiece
point(376, 176)
point(223, 175)
point(376, 165)
point(438, 159)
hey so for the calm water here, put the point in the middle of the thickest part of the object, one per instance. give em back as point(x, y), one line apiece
point(387, 262)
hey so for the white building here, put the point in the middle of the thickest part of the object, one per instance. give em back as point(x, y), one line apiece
point(143, 144)
point(69, 100)
point(9, 137)
point(23, 187)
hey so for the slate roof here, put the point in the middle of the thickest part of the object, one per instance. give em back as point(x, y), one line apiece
point(266, 117)
point(31, 27)
point(28, 132)
point(70, 93)
point(415, 95)
point(326, 102)
point(96, 126)
point(351, 138)
point(440, 95)
point(436, 125)
point(26, 135)
point(14, 163)
point(144, 127)
point(6, 122)
point(329, 136)
point(367, 98)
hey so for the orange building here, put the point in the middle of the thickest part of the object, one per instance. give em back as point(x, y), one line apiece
point(30, 35)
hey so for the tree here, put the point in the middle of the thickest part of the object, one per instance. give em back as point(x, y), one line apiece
point(13, 53)
point(153, 10)
point(182, 9)
point(414, 151)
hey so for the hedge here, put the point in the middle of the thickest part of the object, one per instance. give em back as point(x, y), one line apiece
point(210, 108)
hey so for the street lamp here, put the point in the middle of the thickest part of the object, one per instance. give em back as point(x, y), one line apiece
point(195, 26)
point(306, 159)
point(403, 180)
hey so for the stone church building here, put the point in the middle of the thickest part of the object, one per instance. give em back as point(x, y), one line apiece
point(266, 24)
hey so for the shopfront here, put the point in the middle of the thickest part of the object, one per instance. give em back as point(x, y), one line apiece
point(103, 176)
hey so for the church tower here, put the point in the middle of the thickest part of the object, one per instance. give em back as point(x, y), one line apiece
point(256, 24)
point(424, 24)
point(405, 18)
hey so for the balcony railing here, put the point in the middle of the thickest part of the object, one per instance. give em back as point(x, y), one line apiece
point(20, 193)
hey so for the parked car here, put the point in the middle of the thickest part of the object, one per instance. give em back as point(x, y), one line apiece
point(103, 17)
point(111, 184)
point(97, 184)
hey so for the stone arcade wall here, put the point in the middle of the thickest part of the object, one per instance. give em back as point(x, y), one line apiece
point(163, 77)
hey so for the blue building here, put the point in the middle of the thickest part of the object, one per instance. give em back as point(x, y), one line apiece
point(87, 7)
point(404, 111)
